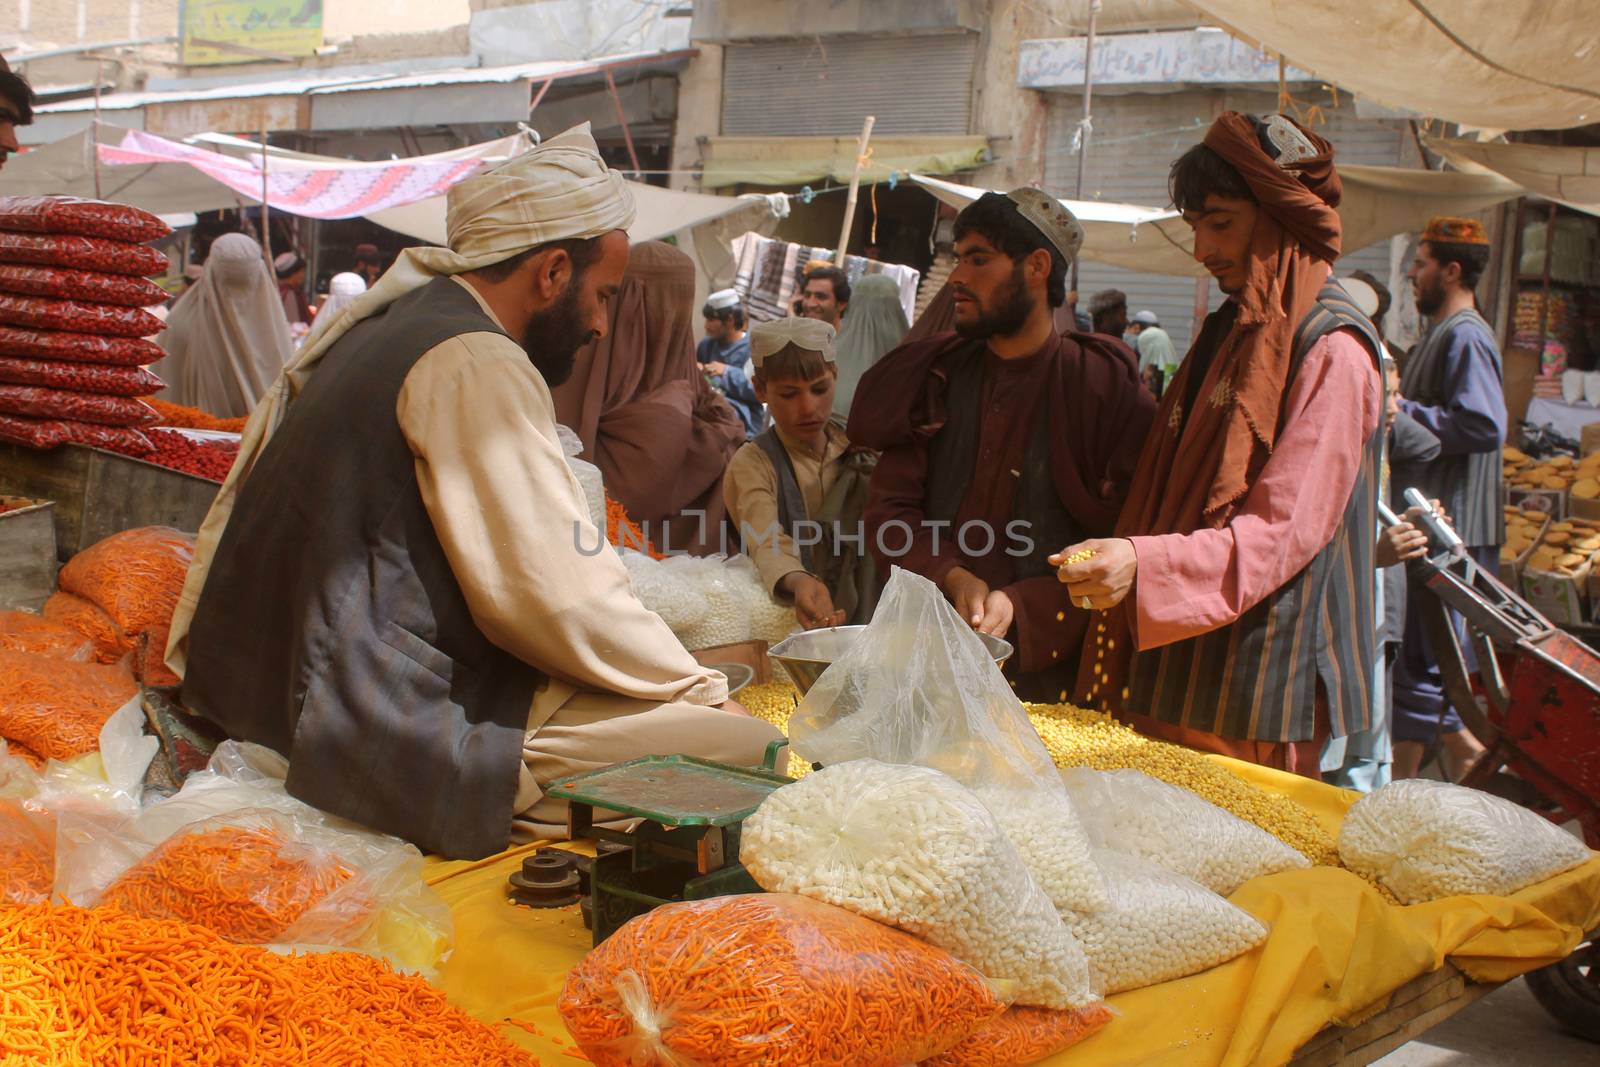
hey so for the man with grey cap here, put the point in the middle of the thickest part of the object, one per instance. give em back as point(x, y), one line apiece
point(998, 435)
point(1157, 358)
point(724, 354)
point(399, 587)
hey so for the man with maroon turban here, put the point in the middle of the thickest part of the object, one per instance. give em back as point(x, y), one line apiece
point(1237, 596)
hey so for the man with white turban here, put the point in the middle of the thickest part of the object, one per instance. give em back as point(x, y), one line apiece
point(399, 586)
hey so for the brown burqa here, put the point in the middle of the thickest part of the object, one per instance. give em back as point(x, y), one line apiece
point(648, 418)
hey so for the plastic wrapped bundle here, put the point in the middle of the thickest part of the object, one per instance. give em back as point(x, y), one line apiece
point(667, 591)
point(1425, 840)
point(770, 980)
point(912, 847)
point(1142, 816)
point(1024, 1035)
point(1160, 926)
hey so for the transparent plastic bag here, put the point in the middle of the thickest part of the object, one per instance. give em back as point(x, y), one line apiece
point(64, 283)
point(39, 402)
point(57, 707)
point(104, 378)
point(27, 854)
point(75, 214)
point(1160, 926)
point(1131, 812)
point(667, 591)
point(1024, 1035)
point(1425, 840)
point(78, 316)
point(23, 631)
point(135, 576)
point(79, 347)
point(81, 253)
point(110, 642)
point(914, 848)
point(771, 980)
point(919, 687)
point(53, 433)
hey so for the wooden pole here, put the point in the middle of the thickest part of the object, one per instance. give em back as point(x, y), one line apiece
point(94, 139)
point(622, 117)
point(266, 225)
point(855, 187)
point(1084, 130)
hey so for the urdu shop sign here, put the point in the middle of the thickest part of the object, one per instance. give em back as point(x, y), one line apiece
point(237, 31)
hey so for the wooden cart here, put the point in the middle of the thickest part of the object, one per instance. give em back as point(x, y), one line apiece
point(1406, 1014)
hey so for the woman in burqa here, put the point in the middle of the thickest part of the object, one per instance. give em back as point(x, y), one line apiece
point(874, 324)
point(658, 431)
point(227, 339)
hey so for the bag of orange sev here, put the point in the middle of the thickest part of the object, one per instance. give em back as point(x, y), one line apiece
point(56, 707)
point(23, 631)
point(1024, 1035)
point(110, 641)
point(773, 979)
point(27, 854)
point(134, 576)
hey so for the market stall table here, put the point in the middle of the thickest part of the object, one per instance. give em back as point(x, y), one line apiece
point(1338, 956)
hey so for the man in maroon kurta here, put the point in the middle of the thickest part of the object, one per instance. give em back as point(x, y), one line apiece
point(999, 435)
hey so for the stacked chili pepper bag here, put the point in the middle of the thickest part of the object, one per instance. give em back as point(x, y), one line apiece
point(73, 332)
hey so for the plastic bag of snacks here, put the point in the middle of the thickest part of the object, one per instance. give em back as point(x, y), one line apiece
point(79, 347)
point(1143, 816)
point(104, 378)
point(72, 214)
point(40, 403)
point(80, 253)
point(152, 666)
point(1425, 840)
point(22, 631)
point(1024, 1035)
point(111, 642)
point(774, 980)
point(64, 283)
point(57, 707)
point(134, 576)
point(43, 313)
point(1160, 926)
point(51, 433)
point(919, 687)
point(913, 847)
point(27, 854)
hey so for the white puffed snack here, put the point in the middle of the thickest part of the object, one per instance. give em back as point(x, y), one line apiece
point(912, 847)
point(1051, 840)
point(1130, 812)
point(1160, 926)
point(665, 590)
point(1425, 840)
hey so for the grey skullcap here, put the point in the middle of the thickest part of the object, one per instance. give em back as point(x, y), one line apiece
point(769, 338)
point(722, 299)
point(1052, 219)
point(1147, 318)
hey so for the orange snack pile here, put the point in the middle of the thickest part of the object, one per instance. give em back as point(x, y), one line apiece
point(56, 707)
point(110, 642)
point(772, 979)
point(248, 885)
point(623, 532)
point(1024, 1035)
point(193, 418)
point(22, 631)
point(100, 986)
point(27, 856)
point(134, 576)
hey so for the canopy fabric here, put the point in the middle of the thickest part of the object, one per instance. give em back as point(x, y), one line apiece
point(797, 160)
point(1485, 63)
point(1335, 953)
point(67, 167)
point(1378, 203)
point(1568, 176)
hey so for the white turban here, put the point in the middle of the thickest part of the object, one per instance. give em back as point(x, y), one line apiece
point(560, 190)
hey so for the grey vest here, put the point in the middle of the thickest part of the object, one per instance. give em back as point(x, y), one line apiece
point(331, 627)
point(1257, 678)
point(1467, 485)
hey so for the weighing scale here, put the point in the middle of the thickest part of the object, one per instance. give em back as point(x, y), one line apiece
point(686, 846)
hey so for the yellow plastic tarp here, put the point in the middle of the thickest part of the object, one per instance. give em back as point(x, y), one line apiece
point(1336, 952)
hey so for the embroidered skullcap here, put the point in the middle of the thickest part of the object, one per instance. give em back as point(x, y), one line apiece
point(1051, 217)
point(723, 299)
point(1447, 229)
point(560, 190)
point(770, 338)
point(1362, 295)
point(286, 264)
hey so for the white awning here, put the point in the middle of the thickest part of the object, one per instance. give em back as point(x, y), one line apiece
point(1568, 176)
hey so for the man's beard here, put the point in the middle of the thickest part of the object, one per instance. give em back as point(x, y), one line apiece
point(1430, 299)
point(1013, 305)
point(554, 336)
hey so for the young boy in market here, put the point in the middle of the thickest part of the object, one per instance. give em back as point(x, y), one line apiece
point(796, 492)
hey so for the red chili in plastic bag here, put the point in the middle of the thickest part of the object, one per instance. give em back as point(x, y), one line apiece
point(50, 433)
point(40, 403)
point(81, 347)
point(74, 214)
point(64, 283)
point(84, 253)
point(210, 460)
point(77, 315)
point(104, 378)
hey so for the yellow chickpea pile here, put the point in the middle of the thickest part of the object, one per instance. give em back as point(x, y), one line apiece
point(775, 703)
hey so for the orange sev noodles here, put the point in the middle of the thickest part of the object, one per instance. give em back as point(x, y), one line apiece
point(110, 641)
point(769, 979)
point(22, 631)
point(27, 854)
point(134, 576)
point(623, 532)
point(56, 707)
point(247, 884)
point(193, 418)
point(102, 987)
point(1024, 1035)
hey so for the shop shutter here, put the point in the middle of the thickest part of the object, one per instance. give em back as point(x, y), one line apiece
point(827, 86)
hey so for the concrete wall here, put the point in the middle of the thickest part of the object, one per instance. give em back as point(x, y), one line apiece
point(721, 21)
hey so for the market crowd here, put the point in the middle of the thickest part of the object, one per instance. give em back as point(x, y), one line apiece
point(389, 590)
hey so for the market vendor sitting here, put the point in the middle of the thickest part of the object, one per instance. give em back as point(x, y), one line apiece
point(797, 492)
point(399, 586)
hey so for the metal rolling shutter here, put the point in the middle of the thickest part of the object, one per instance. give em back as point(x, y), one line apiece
point(920, 84)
